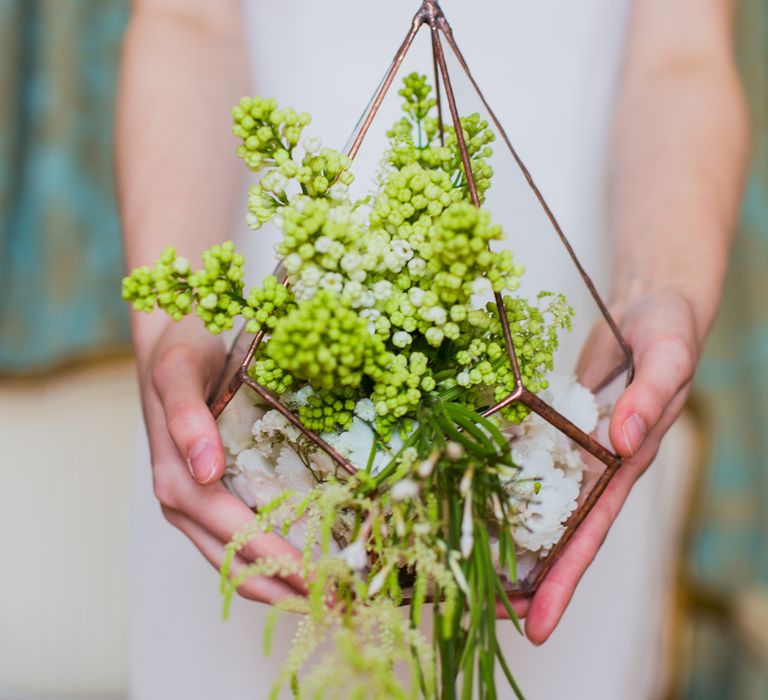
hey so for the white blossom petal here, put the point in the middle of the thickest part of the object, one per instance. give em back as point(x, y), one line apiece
point(355, 555)
point(292, 473)
point(404, 490)
point(573, 400)
point(237, 419)
point(253, 481)
point(365, 410)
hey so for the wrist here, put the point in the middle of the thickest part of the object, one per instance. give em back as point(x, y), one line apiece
point(146, 330)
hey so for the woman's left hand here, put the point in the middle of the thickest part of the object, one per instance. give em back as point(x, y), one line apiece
point(660, 328)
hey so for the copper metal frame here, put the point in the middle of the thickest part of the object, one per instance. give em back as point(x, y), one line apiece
point(431, 14)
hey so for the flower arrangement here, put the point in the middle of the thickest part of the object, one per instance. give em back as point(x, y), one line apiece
point(383, 338)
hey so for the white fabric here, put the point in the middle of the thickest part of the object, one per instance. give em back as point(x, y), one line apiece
point(67, 457)
point(548, 69)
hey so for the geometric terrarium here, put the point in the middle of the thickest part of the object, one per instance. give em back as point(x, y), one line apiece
point(609, 369)
point(401, 415)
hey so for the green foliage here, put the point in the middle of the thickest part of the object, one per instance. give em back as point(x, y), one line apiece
point(215, 292)
point(435, 533)
point(327, 344)
point(382, 301)
point(405, 265)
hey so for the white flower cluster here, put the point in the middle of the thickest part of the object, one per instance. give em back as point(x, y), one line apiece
point(356, 443)
point(261, 460)
point(546, 489)
point(265, 457)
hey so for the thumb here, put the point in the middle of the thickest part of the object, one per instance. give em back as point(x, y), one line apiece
point(180, 375)
point(663, 345)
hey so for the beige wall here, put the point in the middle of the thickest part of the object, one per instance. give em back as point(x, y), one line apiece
point(66, 449)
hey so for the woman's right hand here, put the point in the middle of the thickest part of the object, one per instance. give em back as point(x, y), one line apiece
point(188, 458)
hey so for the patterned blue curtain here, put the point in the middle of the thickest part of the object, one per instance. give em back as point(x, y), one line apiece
point(60, 254)
point(731, 548)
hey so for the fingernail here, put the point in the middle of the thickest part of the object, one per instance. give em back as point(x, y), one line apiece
point(634, 432)
point(202, 462)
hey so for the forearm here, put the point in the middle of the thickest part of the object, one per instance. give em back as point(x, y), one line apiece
point(680, 135)
point(183, 67)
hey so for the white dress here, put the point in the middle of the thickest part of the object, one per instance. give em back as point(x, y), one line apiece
point(548, 69)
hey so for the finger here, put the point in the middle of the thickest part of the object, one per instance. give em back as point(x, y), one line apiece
point(519, 605)
point(223, 515)
point(662, 336)
point(556, 590)
point(600, 355)
point(663, 369)
point(211, 507)
point(216, 511)
point(258, 588)
point(180, 376)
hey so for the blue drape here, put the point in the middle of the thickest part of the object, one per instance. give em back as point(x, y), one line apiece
point(731, 550)
point(60, 254)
